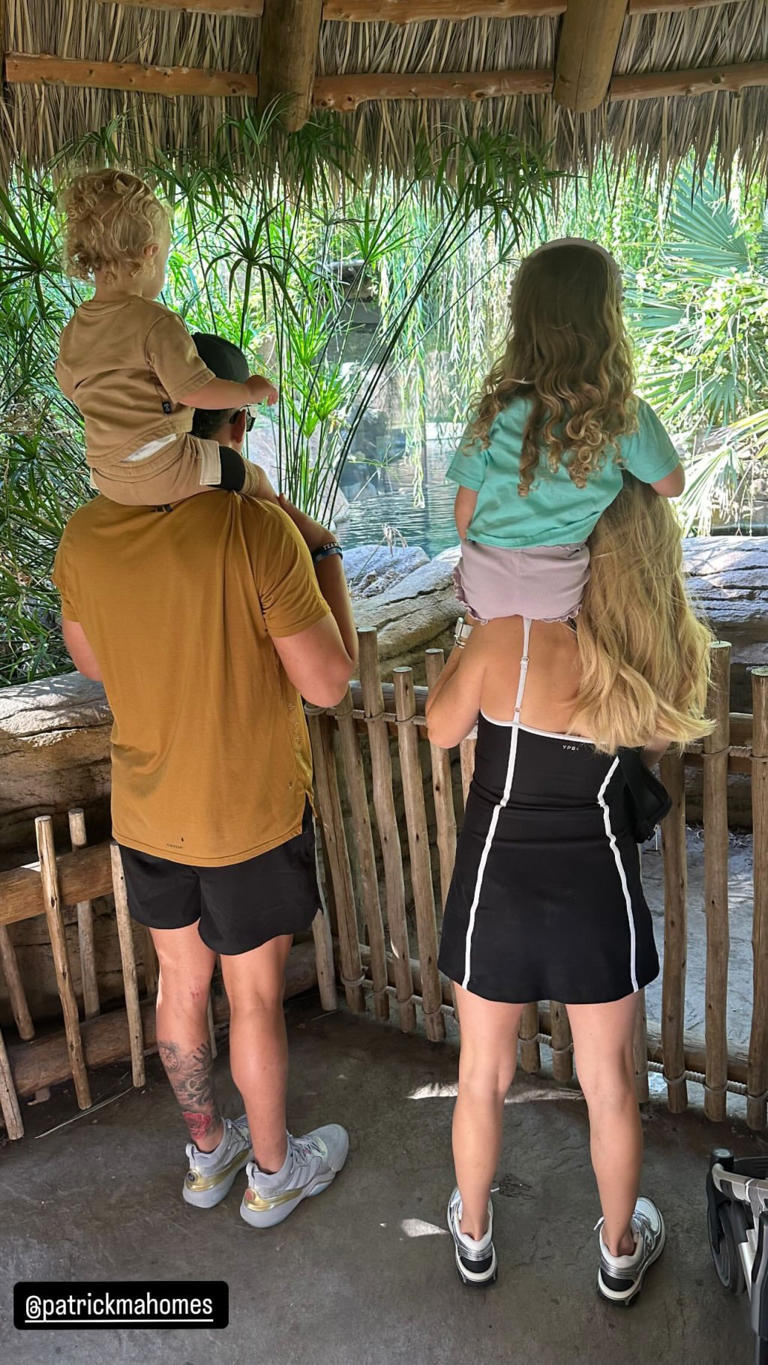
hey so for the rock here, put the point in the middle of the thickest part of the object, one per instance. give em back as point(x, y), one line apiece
point(372, 569)
point(728, 579)
point(417, 613)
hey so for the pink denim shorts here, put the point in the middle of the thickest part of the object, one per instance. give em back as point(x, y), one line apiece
point(543, 582)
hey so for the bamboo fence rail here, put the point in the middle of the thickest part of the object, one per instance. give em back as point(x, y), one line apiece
point(388, 805)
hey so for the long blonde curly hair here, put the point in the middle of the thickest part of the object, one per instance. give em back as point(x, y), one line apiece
point(644, 653)
point(110, 218)
point(568, 351)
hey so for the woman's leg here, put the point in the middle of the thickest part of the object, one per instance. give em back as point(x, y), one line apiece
point(486, 1070)
point(186, 967)
point(258, 1046)
point(602, 1044)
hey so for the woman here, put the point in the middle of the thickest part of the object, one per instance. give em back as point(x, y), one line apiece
point(546, 900)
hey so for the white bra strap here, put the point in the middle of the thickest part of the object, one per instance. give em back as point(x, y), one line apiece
point(523, 669)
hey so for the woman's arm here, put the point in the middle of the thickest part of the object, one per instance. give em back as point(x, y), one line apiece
point(454, 701)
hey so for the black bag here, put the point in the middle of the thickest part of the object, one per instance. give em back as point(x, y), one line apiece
point(648, 800)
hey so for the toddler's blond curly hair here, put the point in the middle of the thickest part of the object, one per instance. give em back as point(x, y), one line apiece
point(111, 216)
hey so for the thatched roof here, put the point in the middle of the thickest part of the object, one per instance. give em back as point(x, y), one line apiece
point(520, 72)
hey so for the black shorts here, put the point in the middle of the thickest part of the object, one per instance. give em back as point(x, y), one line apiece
point(240, 906)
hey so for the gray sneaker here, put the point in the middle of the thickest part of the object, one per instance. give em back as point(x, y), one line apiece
point(313, 1161)
point(211, 1174)
point(475, 1259)
point(620, 1278)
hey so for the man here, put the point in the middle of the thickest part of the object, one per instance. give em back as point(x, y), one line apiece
point(206, 621)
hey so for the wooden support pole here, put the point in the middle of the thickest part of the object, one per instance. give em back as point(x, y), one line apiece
point(413, 11)
point(710, 80)
point(530, 1051)
point(562, 1043)
point(53, 915)
point(640, 1050)
point(9, 1102)
point(23, 68)
point(329, 807)
point(386, 821)
point(87, 947)
point(675, 934)
point(418, 845)
point(347, 93)
point(16, 992)
point(326, 975)
point(757, 1065)
point(715, 811)
point(362, 834)
point(290, 30)
point(586, 51)
point(128, 960)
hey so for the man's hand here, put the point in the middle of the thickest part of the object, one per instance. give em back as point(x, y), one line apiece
point(313, 532)
point(260, 390)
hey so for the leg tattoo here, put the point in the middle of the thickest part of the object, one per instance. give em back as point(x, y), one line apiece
point(192, 1082)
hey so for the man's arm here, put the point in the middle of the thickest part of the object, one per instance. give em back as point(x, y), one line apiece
point(79, 650)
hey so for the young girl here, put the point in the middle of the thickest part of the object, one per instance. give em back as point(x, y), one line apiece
point(556, 422)
point(131, 366)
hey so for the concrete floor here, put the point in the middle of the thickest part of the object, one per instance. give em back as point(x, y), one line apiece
point(364, 1275)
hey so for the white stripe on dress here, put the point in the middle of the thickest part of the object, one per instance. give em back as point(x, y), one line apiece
point(514, 730)
point(622, 875)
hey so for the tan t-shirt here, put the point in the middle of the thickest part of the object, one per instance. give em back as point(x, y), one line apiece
point(210, 752)
point(126, 365)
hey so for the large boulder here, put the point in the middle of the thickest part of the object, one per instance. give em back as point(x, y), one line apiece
point(728, 580)
point(373, 569)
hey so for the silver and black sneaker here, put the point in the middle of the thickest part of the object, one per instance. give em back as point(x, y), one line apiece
point(475, 1260)
point(620, 1278)
point(211, 1174)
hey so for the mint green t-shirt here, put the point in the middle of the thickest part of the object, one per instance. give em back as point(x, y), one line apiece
point(555, 512)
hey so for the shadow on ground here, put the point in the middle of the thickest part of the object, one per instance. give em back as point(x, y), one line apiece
point(364, 1275)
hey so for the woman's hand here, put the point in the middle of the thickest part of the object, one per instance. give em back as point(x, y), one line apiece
point(313, 532)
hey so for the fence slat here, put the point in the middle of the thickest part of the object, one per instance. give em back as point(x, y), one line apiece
point(418, 844)
point(562, 1043)
point(329, 806)
point(530, 1051)
point(715, 814)
point(9, 1101)
point(128, 961)
point(16, 992)
point(757, 1064)
point(91, 1005)
point(53, 915)
point(363, 836)
point(675, 934)
point(386, 820)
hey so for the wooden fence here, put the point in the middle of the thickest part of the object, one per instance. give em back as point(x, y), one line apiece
point(385, 799)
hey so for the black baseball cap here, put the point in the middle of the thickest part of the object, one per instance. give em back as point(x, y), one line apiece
point(226, 360)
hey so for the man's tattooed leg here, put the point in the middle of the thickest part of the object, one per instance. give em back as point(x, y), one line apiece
point(191, 1079)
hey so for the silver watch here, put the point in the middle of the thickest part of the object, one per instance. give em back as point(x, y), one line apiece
point(462, 632)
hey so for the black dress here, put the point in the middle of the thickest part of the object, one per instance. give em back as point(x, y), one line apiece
point(546, 901)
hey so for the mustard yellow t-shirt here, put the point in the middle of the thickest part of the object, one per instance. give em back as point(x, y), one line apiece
point(127, 363)
point(211, 761)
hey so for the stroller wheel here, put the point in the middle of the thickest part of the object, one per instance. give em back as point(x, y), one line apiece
point(725, 1254)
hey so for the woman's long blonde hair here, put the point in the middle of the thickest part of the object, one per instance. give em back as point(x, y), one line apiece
point(567, 349)
point(644, 654)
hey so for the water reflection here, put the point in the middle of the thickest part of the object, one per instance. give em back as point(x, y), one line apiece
point(389, 501)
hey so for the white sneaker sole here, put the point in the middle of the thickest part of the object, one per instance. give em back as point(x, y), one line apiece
point(627, 1295)
point(269, 1218)
point(208, 1199)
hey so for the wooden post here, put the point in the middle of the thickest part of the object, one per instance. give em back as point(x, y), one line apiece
point(716, 880)
point(290, 30)
point(85, 940)
point(128, 959)
point(442, 787)
point(212, 1029)
point(530, 1052)
point(675, 934)
point(757, 1065)
point(329, 806)
point(326, 976)
point(586, 51)
point(9, 1103)
point(386, 820)
point(151, 965)
point(53, 915)
point(467, 760)
point(562, 1044)
point(640, 1051)
point(13, 981)
point(418, 844)
point(363, 836)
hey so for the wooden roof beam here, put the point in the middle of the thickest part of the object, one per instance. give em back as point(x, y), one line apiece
point(586, 51)
point(414, 11)
point(22, 68)
point(290, 30)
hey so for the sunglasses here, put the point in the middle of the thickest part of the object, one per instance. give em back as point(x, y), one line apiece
point(250, 418)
